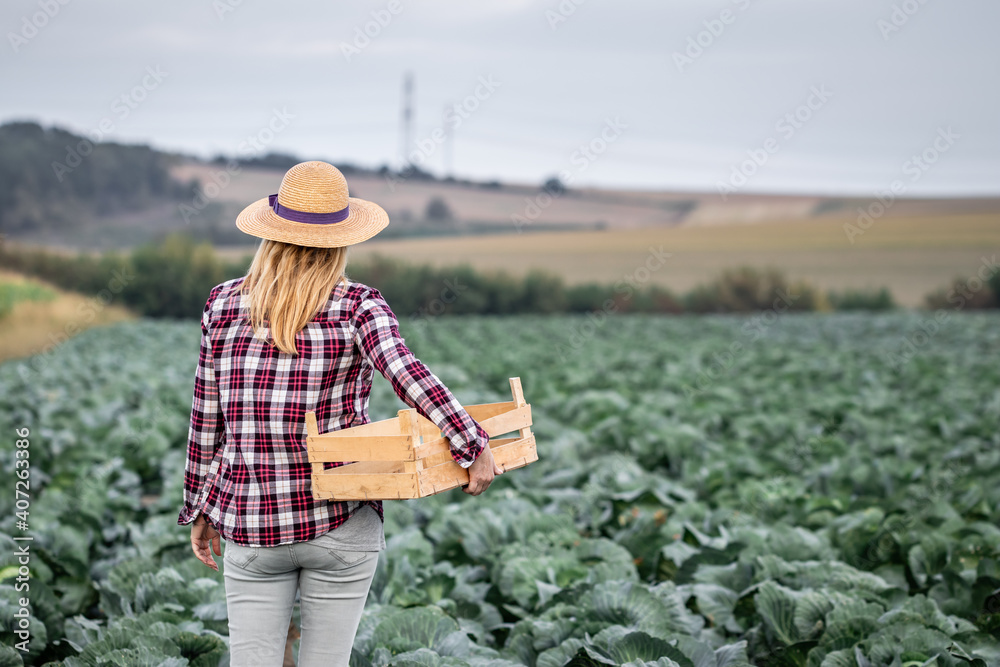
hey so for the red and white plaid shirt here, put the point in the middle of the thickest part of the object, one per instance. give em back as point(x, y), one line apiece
point(247, 468)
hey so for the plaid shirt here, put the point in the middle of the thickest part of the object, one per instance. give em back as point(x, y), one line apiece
point(247, 468)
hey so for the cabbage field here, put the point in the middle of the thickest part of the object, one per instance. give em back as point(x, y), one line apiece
point(816, 490)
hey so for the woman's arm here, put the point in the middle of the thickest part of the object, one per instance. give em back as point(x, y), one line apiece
point(377, 336)
point(207, 429)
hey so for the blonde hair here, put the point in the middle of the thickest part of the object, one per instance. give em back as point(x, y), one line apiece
point(288, 284)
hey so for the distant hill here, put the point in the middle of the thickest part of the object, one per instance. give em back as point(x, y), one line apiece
point(53, 180)
point(509, 208)
point(117, 196)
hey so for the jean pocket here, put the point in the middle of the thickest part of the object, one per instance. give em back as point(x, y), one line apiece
point(238, 554)
point(348, 558)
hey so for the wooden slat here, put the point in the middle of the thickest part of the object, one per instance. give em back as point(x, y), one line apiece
point(516, 454)
point(381, 427)
point(340, 446)
point(512, 453)
point(432, 447)
point(443, 455)
point(518, 394)
point(496, 443)
point(515, 391)
point(482, 411)
point(379, 486)
point(514, 420)
point(442, 477)
point(366, 468)
point(437, 458)
point(312, 430)
point(409, 425)
point(427, 428)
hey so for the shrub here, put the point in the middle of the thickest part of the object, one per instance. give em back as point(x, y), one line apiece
point(748, 289)
point(960, 294)
point(554, 186)
point(854, 299)
point(587, 297)
point(173, 279)
point(656, 299)
point(438, 209)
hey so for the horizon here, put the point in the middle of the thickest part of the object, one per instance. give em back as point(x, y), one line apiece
point(460, 180)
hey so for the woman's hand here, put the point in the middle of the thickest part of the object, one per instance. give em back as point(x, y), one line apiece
point(481, 472)
point(203, 535)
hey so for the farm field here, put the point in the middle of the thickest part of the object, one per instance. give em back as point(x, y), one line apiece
point(35, 316)
point(911, 257)
point(826, 493)
point(615, 208)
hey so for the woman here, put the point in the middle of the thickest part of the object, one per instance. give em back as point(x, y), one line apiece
point(293, 335)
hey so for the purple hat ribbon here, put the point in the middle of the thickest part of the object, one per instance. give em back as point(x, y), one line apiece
point(305, 216)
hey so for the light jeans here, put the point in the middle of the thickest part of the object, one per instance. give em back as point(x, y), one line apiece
point(261, 583)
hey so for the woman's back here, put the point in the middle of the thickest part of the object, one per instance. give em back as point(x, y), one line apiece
point(247, 454)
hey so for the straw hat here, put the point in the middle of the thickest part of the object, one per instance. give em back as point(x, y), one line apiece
point(312, 208)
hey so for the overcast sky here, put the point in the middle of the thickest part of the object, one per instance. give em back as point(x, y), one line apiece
point(883, 87)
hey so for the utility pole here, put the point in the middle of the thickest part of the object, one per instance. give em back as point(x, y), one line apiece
point(407, 127)
point(446, 154)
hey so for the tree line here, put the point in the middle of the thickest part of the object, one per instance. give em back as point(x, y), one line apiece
point(172, 279)
point(51, 179)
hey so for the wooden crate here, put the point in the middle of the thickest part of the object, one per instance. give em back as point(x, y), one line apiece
point(407, 457)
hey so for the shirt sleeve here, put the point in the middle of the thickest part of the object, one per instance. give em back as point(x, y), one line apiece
point(377, 336)
point(207, 429)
